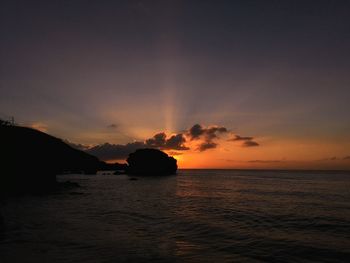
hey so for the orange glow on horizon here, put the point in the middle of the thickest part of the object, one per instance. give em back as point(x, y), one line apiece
point(276, 154)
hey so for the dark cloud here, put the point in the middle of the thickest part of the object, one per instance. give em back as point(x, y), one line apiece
point(247, 141)
point(213, 132)
point(112, 126)
point(175, 142)
point(266, 161)
point(250, 144)
point(208, 134)
point(207, 145)
point(241, 138)
point(206, 137)
point(157, 140)
point(334, 158)
point(228, 160)
point(197, 131)
point(108, 151)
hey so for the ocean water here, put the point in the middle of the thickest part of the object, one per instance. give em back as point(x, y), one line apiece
point(196, 216)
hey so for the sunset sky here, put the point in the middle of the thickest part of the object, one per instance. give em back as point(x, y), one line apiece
point(222, 84)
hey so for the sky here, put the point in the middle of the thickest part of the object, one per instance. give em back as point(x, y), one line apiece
point(217, 84)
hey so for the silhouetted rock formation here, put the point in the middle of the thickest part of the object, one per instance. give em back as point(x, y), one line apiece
point(30, 160)
point(151, 162)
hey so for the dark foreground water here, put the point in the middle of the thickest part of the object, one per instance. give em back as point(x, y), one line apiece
point(196, 216)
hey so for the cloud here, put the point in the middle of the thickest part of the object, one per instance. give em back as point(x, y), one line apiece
point(266, 161)
point(160, 141)
point(39, 126)
point(206, 134)
point(207, 145)
point(112, 126)
point(206, 138)
point(250, 144)
point(247, 141)
point(157, 140)
point(108, 151)
point(176, 142)
point(197, 131)
point(241, 138)
point(334, 158)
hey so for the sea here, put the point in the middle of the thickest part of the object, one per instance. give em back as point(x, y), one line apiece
point(194, 216)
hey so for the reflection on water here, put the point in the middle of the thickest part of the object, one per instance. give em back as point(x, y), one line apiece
point(197, 216)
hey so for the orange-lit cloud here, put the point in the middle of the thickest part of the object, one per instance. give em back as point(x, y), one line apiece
point(39, 126)
point(247, 141)
point(218, 147)
point(197, 138)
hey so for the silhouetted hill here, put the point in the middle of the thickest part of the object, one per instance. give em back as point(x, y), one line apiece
point(151, 162)
point(30, 159)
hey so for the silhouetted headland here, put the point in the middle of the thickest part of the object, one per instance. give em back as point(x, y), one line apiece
point(151, 162)
point(31, 160)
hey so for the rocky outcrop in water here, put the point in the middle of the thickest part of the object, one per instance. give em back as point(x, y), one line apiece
point(151, 162)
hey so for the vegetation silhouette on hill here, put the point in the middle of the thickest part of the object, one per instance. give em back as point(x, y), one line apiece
point(151, 162)
point(30, 159)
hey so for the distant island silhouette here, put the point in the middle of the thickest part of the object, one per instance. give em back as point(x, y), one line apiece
point(31, 159)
